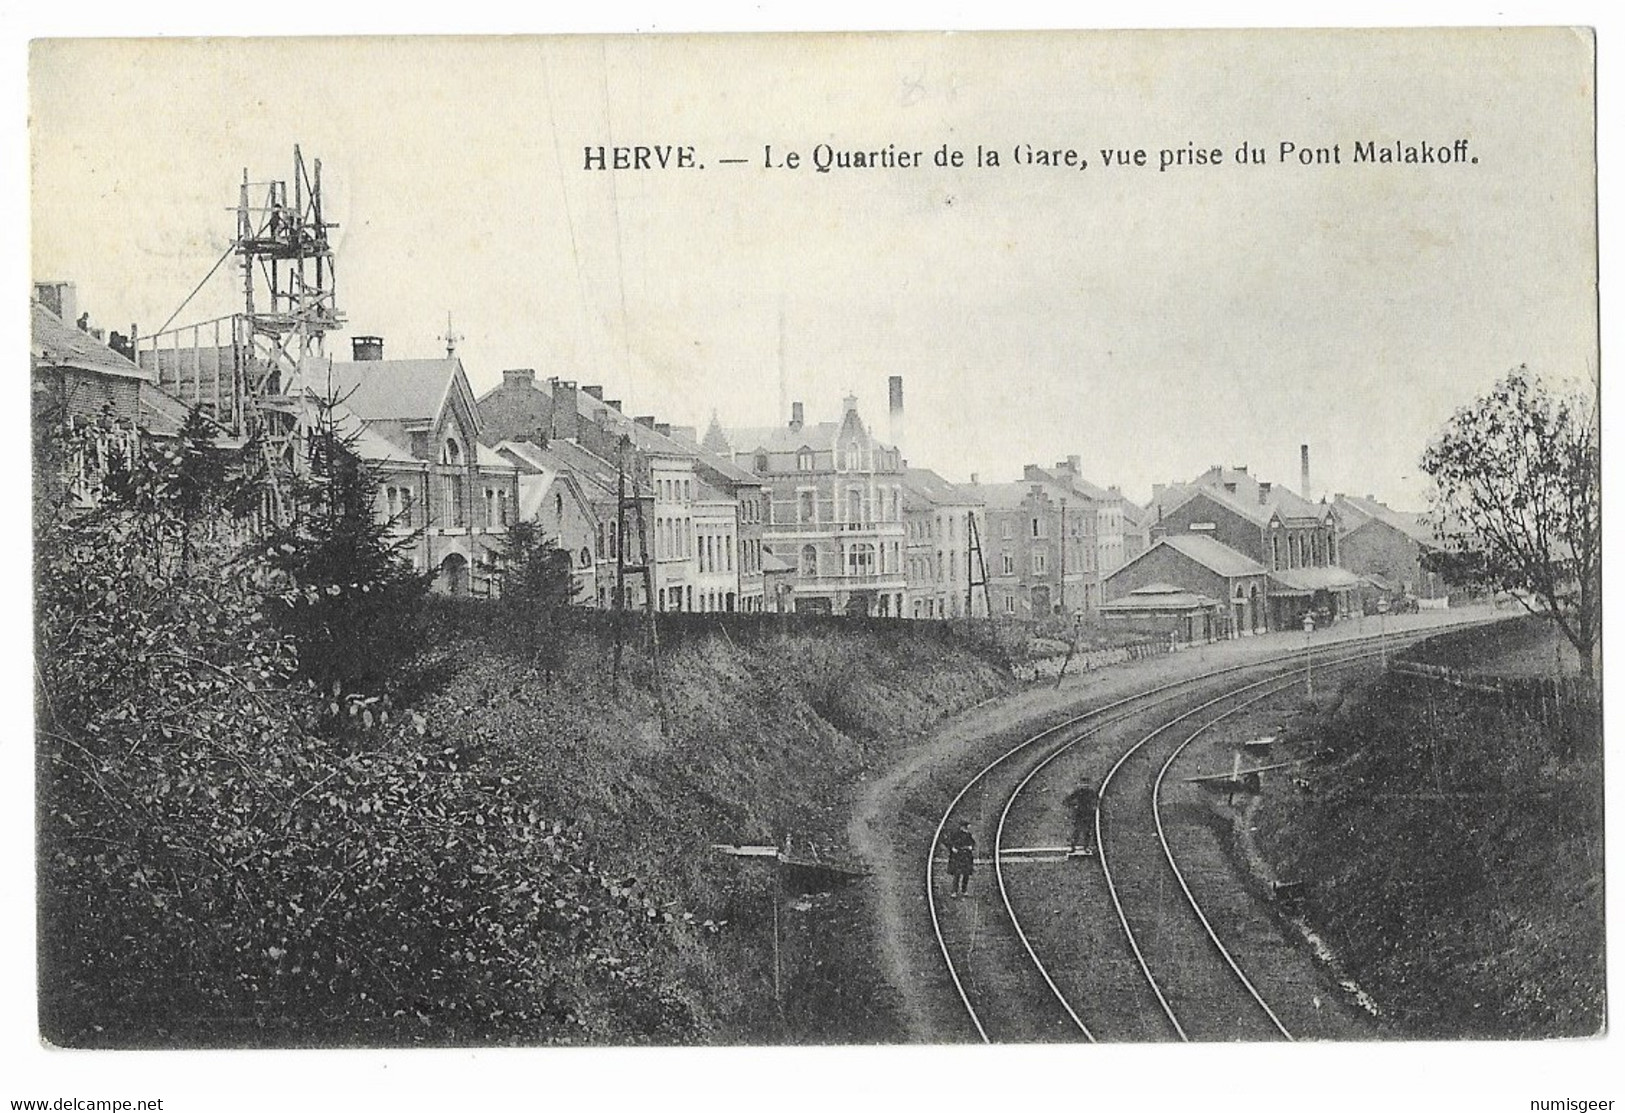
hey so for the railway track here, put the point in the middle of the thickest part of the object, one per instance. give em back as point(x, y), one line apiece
point(1157, 968)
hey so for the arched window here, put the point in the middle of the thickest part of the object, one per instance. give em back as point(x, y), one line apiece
point(809, 561)
point(453, 453)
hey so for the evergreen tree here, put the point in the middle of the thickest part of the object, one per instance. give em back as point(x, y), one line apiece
point(351, 594)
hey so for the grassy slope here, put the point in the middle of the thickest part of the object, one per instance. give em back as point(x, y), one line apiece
point(1455, 858)
point(768, 732)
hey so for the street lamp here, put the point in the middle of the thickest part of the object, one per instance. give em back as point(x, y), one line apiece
point(1309, 649)
point(1382, 629)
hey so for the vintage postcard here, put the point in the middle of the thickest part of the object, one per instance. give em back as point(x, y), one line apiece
point(798, 540)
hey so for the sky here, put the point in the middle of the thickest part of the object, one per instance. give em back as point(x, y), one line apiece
point(1151, 322)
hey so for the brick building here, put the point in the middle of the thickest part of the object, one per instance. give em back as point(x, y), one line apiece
point(1204, 568)
point(1042, 558)
point(1294, 539)
point(1391, 547)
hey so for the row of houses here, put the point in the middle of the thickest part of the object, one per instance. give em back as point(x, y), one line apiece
point(820, 516)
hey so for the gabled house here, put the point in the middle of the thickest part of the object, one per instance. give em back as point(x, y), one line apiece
point(79, 382)
point(421, 438)
point(1391, 549)
point(556, 498)
point(1203, 568)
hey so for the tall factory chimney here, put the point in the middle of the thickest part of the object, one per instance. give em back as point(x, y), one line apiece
point(897, 428)
point(1303, 452)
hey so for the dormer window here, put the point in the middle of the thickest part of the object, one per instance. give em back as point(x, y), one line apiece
point(804, 460)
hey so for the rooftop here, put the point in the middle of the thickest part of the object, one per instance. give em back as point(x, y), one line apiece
point(56, 343)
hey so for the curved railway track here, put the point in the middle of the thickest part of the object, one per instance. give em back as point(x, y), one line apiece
point(1007, 989)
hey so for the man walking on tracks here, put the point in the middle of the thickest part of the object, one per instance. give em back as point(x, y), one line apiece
point(1083, 801)
point(961, 858)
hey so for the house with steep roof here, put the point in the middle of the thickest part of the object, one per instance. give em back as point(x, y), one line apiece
point(80, 382)
point(1393, 550)
point(567, 508)
point(939, 519)
point(418, 429)
point(835, 510)
point(655, 466)
point(1203, 567)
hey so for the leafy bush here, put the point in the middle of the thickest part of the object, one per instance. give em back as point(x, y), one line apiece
point(229, 854)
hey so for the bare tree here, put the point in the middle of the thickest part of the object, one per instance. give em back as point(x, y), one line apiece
point(1518, 481)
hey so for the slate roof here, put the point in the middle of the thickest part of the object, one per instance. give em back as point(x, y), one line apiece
point(925, 488)
point(819, 437)
point(1412, 525)
point(1210, 554)
point(1307, 581)
point(368, 443)
point(1244, 501)
point(1081, 485)
point(389, 389)
point(56, 343)
point(727, 469)
point(1011, 496)
point(1161, 597)
point(593, 472)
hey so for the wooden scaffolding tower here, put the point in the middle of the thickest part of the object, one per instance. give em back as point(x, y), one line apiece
point(244, 370)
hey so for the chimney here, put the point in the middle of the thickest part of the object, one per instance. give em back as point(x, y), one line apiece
point(663, 428)
point(796, 416)
point(849, 404)
point(596, 391)
point(973, 480)
point(566, 417)
point(61, 298)
point(520, 378)
point(646, 420)
point(897, 428)
point(1074, 464)
point(1264, 492)
point(366, 349)
point(1303, 453)
point(1032, 473)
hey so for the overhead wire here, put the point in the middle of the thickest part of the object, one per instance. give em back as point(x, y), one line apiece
point(196, 288)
